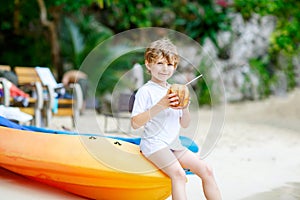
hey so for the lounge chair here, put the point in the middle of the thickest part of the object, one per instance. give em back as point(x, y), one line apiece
point(54, 106)
point(121, 110)
point(35, 101)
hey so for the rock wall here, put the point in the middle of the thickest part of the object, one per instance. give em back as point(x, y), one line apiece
point(248, 39)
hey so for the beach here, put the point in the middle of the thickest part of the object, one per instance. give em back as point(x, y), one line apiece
point(256, 157)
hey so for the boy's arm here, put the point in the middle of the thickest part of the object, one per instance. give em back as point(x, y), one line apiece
point(144, 117)
point(185, 118)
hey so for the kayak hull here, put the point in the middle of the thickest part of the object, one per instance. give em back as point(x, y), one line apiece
point(93, 167)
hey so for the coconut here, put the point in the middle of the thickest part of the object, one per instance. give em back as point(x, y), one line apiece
point(183, 93)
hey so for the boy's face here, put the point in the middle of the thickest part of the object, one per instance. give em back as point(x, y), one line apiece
point(160, 70)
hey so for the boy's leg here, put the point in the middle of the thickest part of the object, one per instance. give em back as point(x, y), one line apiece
point(166, 161)
point(191, 161)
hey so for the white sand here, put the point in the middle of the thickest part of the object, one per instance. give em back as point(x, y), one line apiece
point(257, 154)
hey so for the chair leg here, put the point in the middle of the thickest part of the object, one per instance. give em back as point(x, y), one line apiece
point(129, 128)
point(118, 124)
point(48, 116)
point(37, 118)
point(75, 116)
point(105, 124)
point(39, 104)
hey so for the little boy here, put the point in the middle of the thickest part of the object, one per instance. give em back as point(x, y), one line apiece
point(158, 112)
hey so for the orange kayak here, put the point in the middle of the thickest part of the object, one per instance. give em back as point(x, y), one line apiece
point(90, 166)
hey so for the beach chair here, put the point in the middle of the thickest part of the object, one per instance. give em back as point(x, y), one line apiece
point(5, 95)
point(56, 106)
point(35, 102)
point(5, 67)
point(121, 110)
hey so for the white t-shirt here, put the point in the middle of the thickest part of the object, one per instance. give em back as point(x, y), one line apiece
point(163, 129)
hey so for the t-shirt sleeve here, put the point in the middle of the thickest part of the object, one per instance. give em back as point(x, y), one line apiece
point(141, 102)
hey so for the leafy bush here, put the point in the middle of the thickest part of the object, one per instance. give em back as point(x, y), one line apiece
point(284, 42)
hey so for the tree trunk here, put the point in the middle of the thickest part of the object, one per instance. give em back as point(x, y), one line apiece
point(55, 48)
point(17, 17)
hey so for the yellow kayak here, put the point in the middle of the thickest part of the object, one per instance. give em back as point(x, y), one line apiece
point(90, 166)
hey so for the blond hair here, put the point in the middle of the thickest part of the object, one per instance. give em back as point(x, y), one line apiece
point(162, 48)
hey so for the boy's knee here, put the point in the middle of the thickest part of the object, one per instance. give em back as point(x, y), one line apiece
point(208, 171)
point(179, 175)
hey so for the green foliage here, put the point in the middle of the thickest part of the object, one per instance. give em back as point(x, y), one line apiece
point(201, 20)
point(69, 5)
point(85, 23)
point(290, 76)
point(204, 85)
point(287, 34)
point(21, 38)
point(203, 93)
point(198, 20)
point(118, 68)
point(265, 74)
point(288, 69)
point(123, 15)
point(80, 37)
point(284, 42)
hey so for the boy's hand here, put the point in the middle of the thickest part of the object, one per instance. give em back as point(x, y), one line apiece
point(183, 96)
point(174, 100)
point(169, 100)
